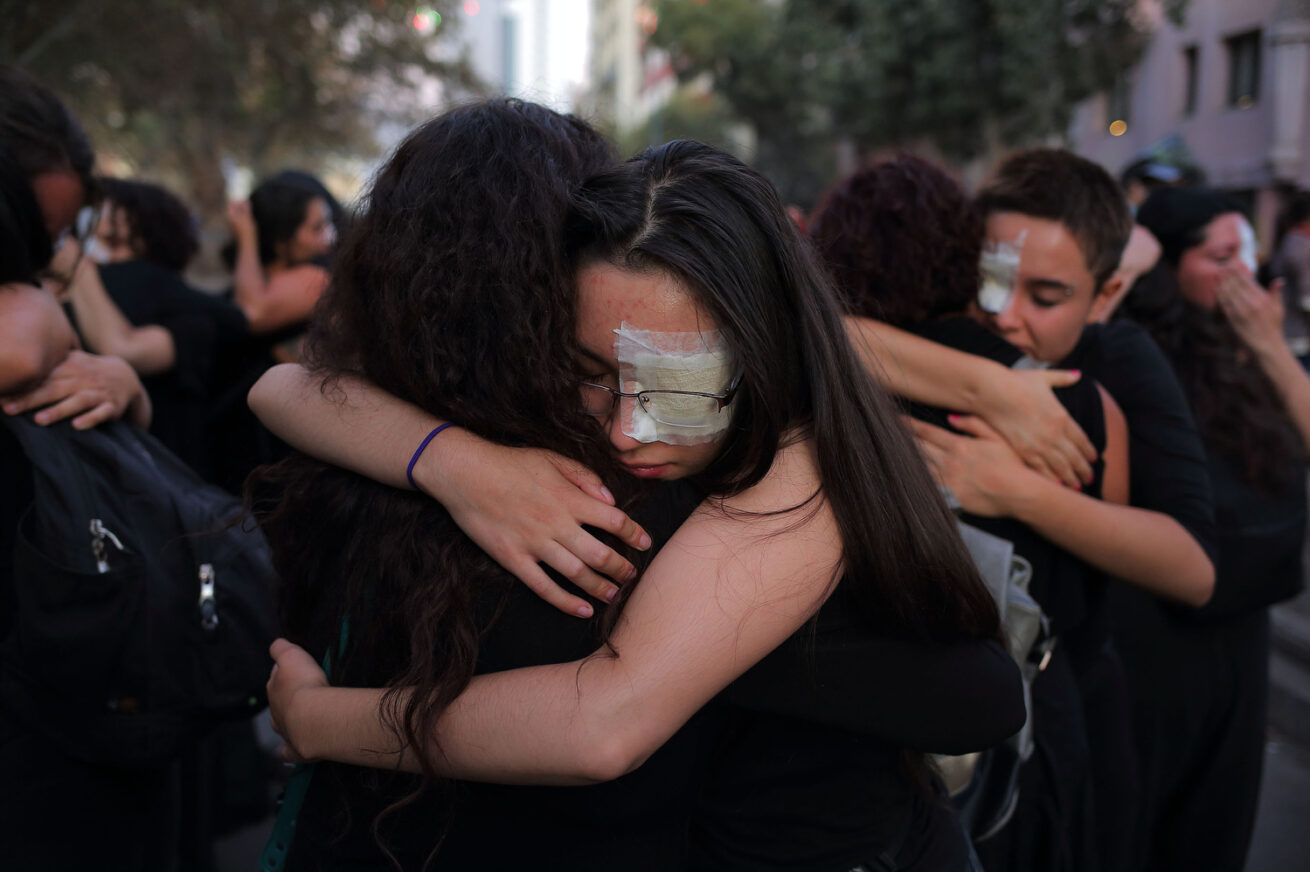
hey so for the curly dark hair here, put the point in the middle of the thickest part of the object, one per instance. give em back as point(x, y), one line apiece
point(902, 240)
point(159, 226)
point(1237, 409)
point(453, 292)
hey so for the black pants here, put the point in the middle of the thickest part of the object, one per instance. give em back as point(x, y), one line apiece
point(1200, 696)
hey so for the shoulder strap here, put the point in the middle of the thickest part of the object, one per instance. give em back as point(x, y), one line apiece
point(274, 856)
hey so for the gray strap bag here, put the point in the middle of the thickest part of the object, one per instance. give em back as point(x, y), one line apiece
point(984, 786)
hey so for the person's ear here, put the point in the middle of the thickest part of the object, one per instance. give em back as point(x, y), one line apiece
point(1108, 297)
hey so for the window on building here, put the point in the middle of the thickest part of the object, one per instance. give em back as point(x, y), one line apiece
point(1243, 69)
point(1191, 81)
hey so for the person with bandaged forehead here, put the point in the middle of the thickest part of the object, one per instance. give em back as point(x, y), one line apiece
point(1011, 280)
point(810, 624)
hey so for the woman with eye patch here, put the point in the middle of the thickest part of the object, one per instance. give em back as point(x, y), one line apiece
point(1054, 226)
point(813, 507)
point(1200, 680)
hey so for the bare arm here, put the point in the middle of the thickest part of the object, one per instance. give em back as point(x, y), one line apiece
point(520, 505)
point(1147, 549)
point(1020, 406)
point(148, 349)
point(758, 579)
point(89, 388)
point(269, 302)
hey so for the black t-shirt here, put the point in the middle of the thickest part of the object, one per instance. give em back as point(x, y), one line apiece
point(201, 325)
point(15, 497)
point(824, 761)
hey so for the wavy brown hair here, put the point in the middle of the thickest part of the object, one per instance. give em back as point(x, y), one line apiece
point(452, 292)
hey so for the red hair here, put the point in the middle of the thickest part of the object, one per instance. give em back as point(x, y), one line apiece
point(902, 240)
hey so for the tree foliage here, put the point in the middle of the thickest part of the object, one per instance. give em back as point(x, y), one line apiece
point(966, 76)
point(178, 87)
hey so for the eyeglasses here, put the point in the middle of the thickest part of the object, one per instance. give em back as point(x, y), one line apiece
point(674, 408)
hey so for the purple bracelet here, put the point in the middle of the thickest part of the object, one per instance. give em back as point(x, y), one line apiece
point(409, 470)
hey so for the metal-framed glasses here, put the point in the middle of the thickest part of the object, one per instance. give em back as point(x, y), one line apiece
point(674, 408)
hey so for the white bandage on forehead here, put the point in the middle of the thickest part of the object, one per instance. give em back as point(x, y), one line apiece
point(655, 361)
point(1249, 249)
point(999, 269)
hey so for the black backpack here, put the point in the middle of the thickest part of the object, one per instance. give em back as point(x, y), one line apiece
point(143, 608)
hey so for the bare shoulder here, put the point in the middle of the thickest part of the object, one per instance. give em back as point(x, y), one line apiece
point(34, 335)
point(776, 540)
point(793, 479)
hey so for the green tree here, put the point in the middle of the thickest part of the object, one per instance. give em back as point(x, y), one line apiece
point(966, 76)
point(179, 87)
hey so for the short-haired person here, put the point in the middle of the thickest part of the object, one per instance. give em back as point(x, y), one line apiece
point(906, 245)
point(1056, 225)
point(688, 273)
point(123, 817)
point(1200, 681)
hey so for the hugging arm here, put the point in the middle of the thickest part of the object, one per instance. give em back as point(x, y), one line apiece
point(521, 506)
point(149, 349)
point(755, 580)
point(1146, 548)
point(41, 367)
point(1019, 405)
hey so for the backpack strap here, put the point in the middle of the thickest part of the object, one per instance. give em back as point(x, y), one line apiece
point(274, 856)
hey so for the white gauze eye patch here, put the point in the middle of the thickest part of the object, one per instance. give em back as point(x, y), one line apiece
point(999, 269)
point(1249, 248)
point(654, 361)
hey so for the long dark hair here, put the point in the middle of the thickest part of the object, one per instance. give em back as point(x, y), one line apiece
point(452, 292)
point(708, 220)
point(1237, 409)
point(279, 206)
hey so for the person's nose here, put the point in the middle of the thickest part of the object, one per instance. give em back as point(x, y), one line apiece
point(623, 411)
point(1008, 319)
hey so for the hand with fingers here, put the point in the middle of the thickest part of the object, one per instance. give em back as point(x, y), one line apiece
point(982, 471)
point(1255, 313)
point(241, 219)
point(89, 388)
point(294, 671)
point(526, 507)
point(1023, 410)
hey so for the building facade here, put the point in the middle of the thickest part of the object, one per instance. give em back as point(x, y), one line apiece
point(629, 78)
point(1232, 83)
